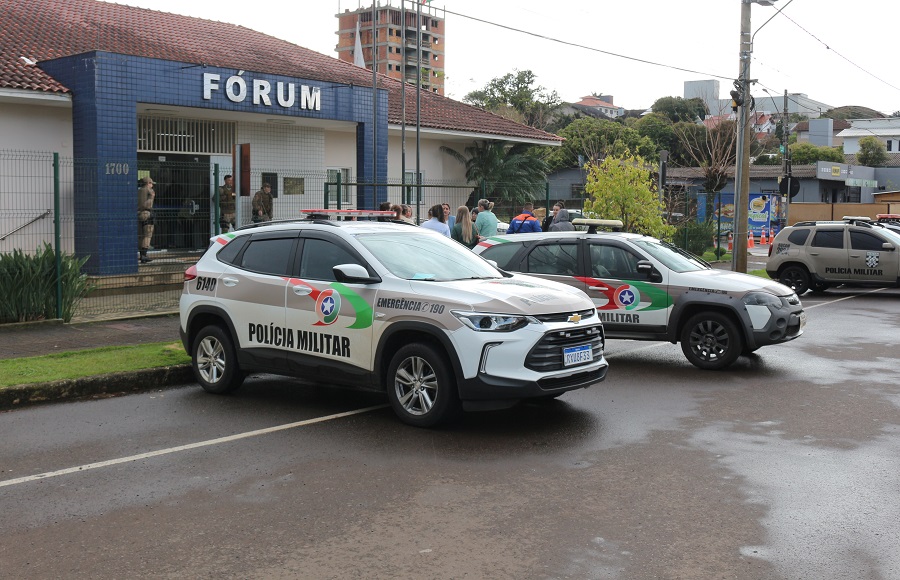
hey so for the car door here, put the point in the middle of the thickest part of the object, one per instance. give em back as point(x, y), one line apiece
point(626, 299)
point(869, 260)
point(828, 256)
point(252, 288)
point(330, 320)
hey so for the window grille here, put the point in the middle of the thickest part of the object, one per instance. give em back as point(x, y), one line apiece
point(173, 135)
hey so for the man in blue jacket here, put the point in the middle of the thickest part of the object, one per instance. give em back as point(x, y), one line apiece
point(524, 222)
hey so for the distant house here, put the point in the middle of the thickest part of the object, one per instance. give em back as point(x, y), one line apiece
point(822, 132)
point(762, 122)
point(602, 105)
point(886, 130)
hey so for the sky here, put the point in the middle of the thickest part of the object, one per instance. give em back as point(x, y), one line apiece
point(835, 52)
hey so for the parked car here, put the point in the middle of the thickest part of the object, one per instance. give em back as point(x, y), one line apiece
point(646, 289)
point(816, 255)
point(430, 324)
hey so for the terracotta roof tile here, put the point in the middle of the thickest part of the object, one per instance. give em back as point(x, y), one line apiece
point(48, 29)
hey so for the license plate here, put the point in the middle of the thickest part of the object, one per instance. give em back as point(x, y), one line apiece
point(575, 355)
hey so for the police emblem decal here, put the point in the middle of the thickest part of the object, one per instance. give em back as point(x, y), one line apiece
point(328, 305)
point(872, 259)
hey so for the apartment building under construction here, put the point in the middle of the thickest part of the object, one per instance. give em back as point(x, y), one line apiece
point(396, 41)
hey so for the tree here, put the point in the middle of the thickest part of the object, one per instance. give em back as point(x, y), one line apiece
point(622, 187)
point(508, 171)
point(872, 152)
point(807, 154)
point(593, 139)
point(678, 109)
point(712, 150)
point(516, 97)
point(658, 128)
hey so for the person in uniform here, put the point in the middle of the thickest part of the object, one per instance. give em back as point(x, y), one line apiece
point(146, 195)
point(262, 204)
point(227, 204)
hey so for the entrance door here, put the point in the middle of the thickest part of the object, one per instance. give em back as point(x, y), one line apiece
point(181, 208)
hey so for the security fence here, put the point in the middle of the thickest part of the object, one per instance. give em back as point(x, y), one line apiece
point(84, 212)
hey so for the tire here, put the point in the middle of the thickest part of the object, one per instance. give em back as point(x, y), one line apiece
point(795, 277)
point(817, 286)
point(420, 386)
point(215, 362)
point(711, 340)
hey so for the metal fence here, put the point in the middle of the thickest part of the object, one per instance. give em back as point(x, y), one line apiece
point(87, 208)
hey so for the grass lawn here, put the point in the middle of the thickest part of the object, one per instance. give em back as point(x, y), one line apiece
point(85, 363)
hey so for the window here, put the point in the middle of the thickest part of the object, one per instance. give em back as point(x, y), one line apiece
point(865, 241)
point(829, 239)
point(409, 195)
point(613, 262)
point(344, 172)
point(320, 256)
point(503, 255)
point(798, 237)
point(558, 259)
point(232, 249)
point(268, 256)
point(889, 143)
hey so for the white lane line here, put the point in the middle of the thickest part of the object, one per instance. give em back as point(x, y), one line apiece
point(187, 447)
point(841, 299)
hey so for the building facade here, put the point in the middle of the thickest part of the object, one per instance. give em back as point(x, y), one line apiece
point(94, 85)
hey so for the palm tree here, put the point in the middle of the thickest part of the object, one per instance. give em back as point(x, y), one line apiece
point(508, 171)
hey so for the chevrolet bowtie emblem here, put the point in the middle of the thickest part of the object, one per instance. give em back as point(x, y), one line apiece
point(574, 319)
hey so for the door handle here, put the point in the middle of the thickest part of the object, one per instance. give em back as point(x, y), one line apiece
point(302, 290)
point(598, 288)
point(229, 281)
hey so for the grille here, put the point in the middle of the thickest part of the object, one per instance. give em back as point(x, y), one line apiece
point(564, 316)
point(547, 355)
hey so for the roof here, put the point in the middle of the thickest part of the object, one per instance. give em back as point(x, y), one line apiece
point(837, 125)
point(595, 102)
point(47, 29)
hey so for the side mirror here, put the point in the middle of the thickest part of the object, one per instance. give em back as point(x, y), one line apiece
point(645, 268)
point(354, 274)
point(888, 246)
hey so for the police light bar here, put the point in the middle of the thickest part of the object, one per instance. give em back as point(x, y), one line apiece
point(332, 213)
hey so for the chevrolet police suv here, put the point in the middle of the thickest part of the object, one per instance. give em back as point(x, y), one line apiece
point(387, 307)
point(646, 289)
point(815, 255)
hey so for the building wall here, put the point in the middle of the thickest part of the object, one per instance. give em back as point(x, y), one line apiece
point(36, 128)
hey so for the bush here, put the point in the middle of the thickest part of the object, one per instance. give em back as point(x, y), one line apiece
point(695, 237)
point(28, 285)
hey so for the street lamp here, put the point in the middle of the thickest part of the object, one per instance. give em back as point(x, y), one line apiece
point(741, 96)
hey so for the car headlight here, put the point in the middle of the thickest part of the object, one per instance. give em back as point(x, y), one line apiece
point(762, 299)
point(486, 322)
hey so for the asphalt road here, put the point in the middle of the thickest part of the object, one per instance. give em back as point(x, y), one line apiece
point(785, 466)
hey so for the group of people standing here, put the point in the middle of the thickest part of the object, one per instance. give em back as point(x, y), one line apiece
point(466, 227)
point(262, 205)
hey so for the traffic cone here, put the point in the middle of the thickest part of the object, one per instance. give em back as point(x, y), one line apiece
point(730, 241)
point(751, 243)
point(763, 238)
point(771, 236)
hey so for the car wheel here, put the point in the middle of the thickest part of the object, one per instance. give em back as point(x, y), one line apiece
point(817, 286)
point(795, 277)
point(215, 362)
point(420, 386)
point(711, 341)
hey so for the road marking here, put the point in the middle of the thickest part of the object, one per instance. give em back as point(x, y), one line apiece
point(187, 447)
point(841, 299)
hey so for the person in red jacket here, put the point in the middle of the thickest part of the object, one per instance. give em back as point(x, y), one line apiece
point(524, 222)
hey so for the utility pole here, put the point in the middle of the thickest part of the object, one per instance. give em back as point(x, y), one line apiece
point(786, 131)
point(742, 166)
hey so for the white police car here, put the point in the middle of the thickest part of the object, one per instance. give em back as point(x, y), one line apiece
point(388, 307)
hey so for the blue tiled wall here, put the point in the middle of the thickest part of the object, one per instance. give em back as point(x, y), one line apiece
point(106, 88)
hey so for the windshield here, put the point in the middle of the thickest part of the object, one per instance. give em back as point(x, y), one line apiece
point(674, 258)
point(892, 234)
point(418, 255)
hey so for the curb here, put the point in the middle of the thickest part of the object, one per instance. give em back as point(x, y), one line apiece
point(109, 385)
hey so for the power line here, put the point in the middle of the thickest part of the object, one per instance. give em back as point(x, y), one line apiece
point(590, 48)
point(837, 53)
